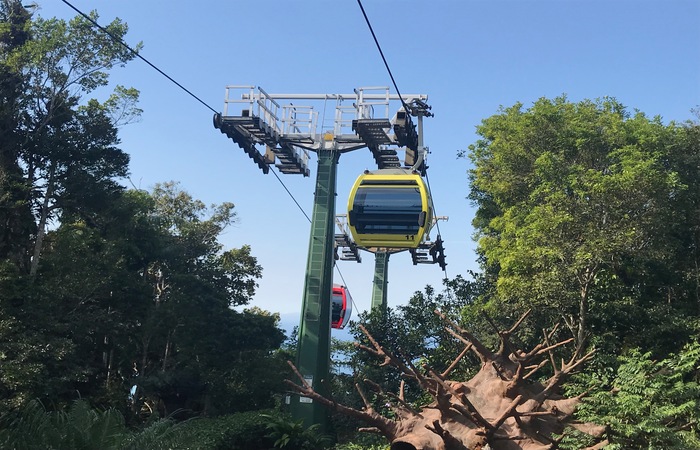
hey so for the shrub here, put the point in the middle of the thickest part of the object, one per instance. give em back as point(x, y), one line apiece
point(292, 435)
point(650, 404)
point(239, 431)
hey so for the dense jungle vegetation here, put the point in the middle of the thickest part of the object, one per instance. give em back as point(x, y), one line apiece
point(117, 327)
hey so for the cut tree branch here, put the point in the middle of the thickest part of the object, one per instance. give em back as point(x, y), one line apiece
point(484, 354)
point(452, 366)
point(385, 425)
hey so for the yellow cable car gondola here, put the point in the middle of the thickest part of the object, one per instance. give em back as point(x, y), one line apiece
point(389, 208)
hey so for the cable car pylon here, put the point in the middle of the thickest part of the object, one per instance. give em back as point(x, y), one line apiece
point(379, 231)
point(257, 121)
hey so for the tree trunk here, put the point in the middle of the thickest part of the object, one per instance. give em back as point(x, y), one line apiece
point(41, 229)
point(581, 335)
point(500, 408)
point(166, 352)
point(110, 363)
point(16, 222)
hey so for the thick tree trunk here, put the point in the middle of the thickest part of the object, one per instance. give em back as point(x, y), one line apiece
point(500, 408)
point(145, 342)
point(41, 228)
point(581, 335)
point(110, 364)
point(585, 280)
point(141, 372)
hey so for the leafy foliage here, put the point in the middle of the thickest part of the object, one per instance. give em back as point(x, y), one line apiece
point(650, 404)
point(574, 205)
point(122, 296)
point(81, 427)
point(238, 431)
point(152, 306)
point(354, 446)
point(59, 154)
point(293, 435)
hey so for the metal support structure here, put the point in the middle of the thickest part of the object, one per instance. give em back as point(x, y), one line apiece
point(345, 247)
point(416, 158)
point(283, 135)
point(381, 280)
point(313, 355)
point(380, 284)
point(430, 252)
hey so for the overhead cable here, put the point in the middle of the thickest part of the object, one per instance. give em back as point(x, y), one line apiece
point(137, 54)
point(386, 64)
point(379, 47)
point(290, 194)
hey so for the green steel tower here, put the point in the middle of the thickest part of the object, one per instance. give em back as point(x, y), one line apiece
point(380, 285)
point(313, 355)
point(283, 135)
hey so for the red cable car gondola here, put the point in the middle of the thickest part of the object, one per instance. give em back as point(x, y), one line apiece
point(341, 307)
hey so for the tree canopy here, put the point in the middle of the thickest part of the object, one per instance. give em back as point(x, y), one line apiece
point(586, 213)
point(124, 297)
point(575, 203)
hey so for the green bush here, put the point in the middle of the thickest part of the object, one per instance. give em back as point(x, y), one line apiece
point(78, 426)
point(293, 435)
point(239, 431)
point(353, 446)
point(81, 426)
point(650, 404)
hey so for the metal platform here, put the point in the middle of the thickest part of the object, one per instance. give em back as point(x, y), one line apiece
point(291, 160)
point(373, 131)
point(429, 253)
point(385, 157)
point(346, 249)
point(241, 136)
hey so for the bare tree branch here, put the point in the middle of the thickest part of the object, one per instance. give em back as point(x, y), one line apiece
point(450, 441)
point(471, 412)
point(507, 413)
point(456, 361)
point(484, 354)
point(504, 335)
point(385, 425)
point(561, 373)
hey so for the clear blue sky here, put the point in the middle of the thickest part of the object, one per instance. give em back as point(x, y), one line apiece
point(469, 57)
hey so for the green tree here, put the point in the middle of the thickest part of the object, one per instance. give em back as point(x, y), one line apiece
point(106, 291)
point(194, 351)
point(14, 23)
point(650, 404)
point(58, 153)
point(58, 164)
point(136, 301)
point(684, 158)
point(574, 205)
